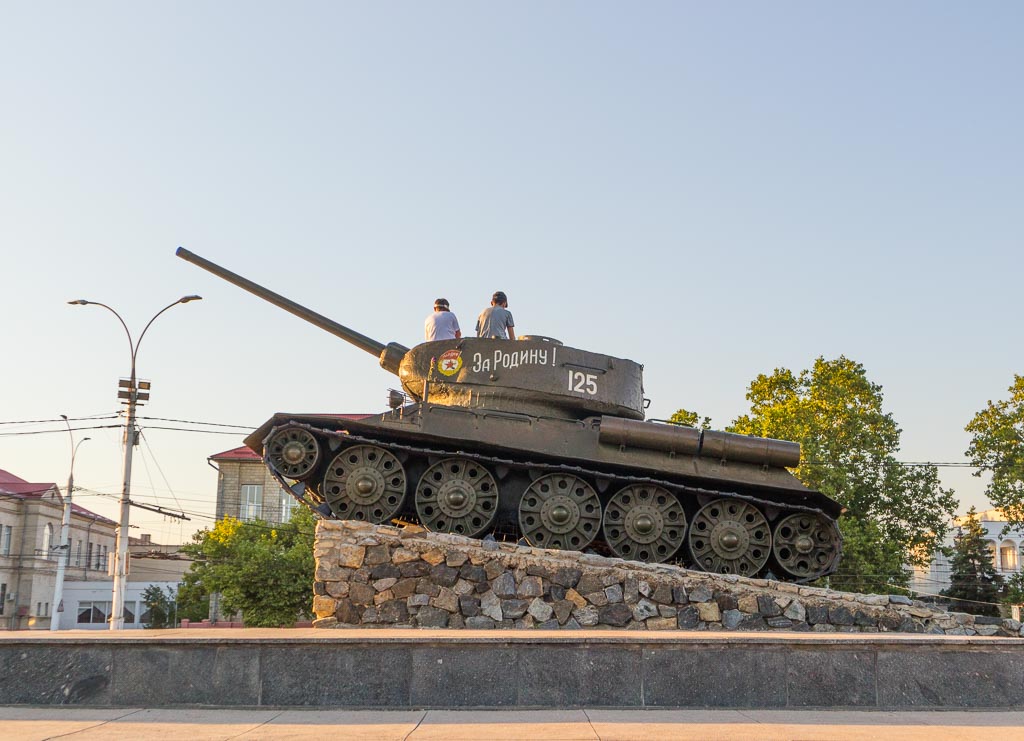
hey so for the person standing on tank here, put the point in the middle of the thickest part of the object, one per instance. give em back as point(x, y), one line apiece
point(496, 320)
point(442, 324)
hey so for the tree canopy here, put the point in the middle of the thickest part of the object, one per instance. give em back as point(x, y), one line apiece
point(895, 514)
point(974, 583)
point(265, 571)
point(997, 448)
point(686, 418)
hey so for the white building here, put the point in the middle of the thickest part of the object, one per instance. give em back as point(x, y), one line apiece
point(1005, 549)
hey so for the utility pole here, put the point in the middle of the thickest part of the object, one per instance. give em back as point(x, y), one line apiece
point(131, 392)
point(65, 534)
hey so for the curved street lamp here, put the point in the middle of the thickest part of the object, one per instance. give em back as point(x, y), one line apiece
point(130, 434)
point(65, 531)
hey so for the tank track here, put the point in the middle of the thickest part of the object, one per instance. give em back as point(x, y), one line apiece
point(711, 530)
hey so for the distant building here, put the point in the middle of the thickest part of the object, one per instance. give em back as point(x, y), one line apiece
point(149, 564)
point(30, 522)
point(246, 490)
point(1005, 549)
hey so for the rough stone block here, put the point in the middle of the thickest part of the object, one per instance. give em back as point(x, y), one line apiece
point(660, 623)
point(446, 600)
point(350, 556)
point(700, 593)
point(530, 586)
point(709, 612)
point(614, 593)
point(404, 555)
point(444, 575)
point(504, 585)
point(644, 609)
point(540, 610)
point(479, 622)
point(455, 559)
point(431, 617)
point(768, 607)
point(324, 606)
point(361, 594)
point(586, 616)
point(490, 606)
point(840, 615)
point(617, 614)
point(576, 598)
point(687, 618)
point(514, 608)
point(434, 556)
point(394, 611)
point(473, 573)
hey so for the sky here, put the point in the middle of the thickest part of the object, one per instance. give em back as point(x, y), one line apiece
point(714, 190)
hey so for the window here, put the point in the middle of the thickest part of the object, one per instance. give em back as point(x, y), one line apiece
point(1008, 556)
point(5, 542)
point(47, 540)
point(78, 554)
point(129, 612)
point(252, 502)
point(88, 556)
point(39, 608)
point(99, 557)
point(3, 597)
point(287, 505)
point(93, 612)
point(104, 564)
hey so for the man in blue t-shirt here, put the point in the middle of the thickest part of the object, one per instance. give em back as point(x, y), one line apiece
point(496, 320)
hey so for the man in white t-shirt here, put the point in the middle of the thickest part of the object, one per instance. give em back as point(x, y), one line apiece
point(442, 324)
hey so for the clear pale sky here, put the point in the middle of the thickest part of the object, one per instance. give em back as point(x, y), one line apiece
point(712, 189)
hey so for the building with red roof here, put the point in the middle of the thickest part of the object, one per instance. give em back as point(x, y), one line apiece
point(30, 522)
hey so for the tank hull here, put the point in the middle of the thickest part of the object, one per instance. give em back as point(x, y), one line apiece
point(518, 455)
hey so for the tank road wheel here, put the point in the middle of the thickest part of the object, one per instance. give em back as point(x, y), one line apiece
point(365, 482)
point(644, 522)
point(560, 511)
point(730, 536)
point(805, 544)
point(294, 452)
point(457, 495)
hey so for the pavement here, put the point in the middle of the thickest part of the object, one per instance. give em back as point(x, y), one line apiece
point(81, 724)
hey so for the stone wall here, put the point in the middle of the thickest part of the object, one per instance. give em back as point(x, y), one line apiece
point(374, 575)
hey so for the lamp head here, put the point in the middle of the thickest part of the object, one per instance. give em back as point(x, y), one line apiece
point(80, 302)
point(186, 299)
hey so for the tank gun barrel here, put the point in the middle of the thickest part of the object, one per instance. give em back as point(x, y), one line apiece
point(389, 354)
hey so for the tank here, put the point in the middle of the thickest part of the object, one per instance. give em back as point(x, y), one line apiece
point(546, 444)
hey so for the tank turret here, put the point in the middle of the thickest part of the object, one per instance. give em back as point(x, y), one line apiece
point(537, 440)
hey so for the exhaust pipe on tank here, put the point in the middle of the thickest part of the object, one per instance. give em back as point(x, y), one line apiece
point(724, 446)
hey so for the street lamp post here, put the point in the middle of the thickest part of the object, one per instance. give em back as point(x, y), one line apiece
point(65, 532)
point(130, 439)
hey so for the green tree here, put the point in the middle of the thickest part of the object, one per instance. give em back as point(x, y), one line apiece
point(159, 605)
point(895, 514)
point(686, 418)
point(1014, 591)
point(264, 571)
point(972, 575)
point(997, 448)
